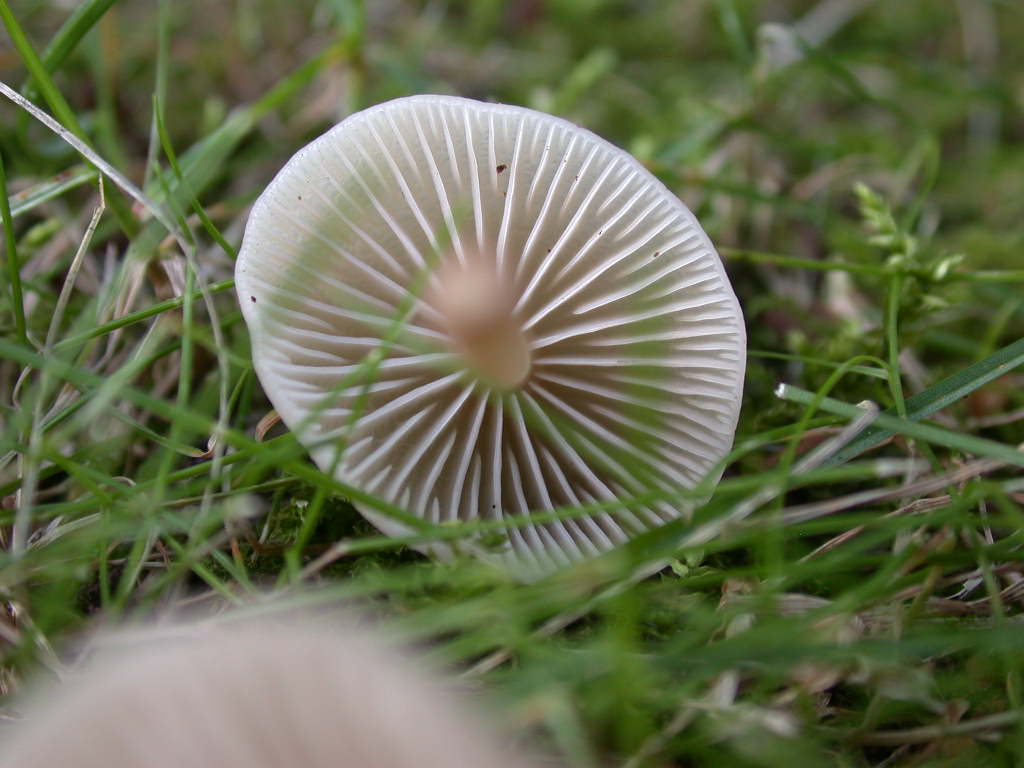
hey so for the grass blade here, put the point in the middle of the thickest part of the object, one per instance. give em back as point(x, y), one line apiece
point(58, 104)
point(138, 317)
point(940, 396)
point(13, 266)
point(893, 425)
point(36, 195)
point(74, 28)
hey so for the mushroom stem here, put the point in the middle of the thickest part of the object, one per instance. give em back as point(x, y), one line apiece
point(501, 356)
point(478, 311)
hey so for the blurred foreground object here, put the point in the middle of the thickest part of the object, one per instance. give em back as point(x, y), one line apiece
point(251, 694)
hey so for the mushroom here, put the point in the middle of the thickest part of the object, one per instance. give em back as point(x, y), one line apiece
point(475, 311)
point(249, 694)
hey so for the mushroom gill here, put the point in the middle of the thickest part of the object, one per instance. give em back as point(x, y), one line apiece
point(481, 312)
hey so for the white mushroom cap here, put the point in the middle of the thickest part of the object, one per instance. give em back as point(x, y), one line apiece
point(258, 694)
point(558, 329)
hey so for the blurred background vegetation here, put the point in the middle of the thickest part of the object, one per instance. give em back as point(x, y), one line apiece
point(881, 634)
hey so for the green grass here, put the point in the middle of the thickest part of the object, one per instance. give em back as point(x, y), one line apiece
point(854, 605)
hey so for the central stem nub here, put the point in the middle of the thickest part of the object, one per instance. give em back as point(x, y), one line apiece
point(477, 306)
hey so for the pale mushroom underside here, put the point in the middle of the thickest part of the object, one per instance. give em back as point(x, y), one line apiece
point(636, 341)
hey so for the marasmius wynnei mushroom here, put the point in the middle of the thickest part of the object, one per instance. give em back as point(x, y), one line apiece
point(548, 326)
point(249, 694)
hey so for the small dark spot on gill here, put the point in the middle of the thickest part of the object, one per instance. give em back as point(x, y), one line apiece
point(253, 298)
point(501, 168)
point(656, 254)
point(300, 197)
